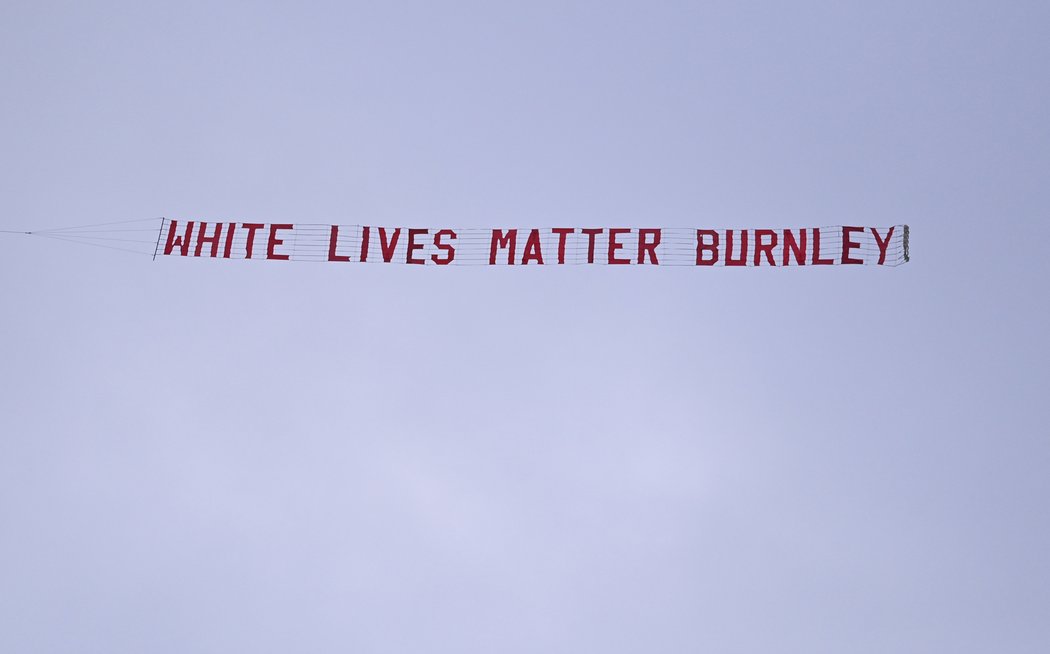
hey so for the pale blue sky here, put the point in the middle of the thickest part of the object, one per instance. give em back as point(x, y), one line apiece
point(210, 456)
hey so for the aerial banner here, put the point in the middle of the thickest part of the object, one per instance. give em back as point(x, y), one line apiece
point(550, 246)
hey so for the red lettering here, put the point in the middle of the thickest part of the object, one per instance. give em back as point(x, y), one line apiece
point(413, 246)
point(364, 243)
point(213, 239)
point(532, 249)
point(274, 241)
point(249, 245)
point(817, 261)
point(386, 246)
point(765, 248)
point(645, 245)
point(448, 249)
point(795, 248)
point(502, 240)
point(730, 261)
point(882, 243)
point(591, 233)
point(230, 230)
point(702, 247)
point(849, 244)
point(182, 241)
point(614, 245)
point(333, 240)
point(563, 233)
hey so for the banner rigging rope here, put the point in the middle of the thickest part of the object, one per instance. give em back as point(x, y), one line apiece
point(108, 235)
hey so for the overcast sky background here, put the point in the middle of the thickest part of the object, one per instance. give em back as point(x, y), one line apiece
point(245, 456)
